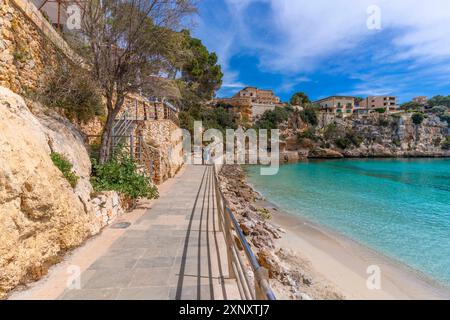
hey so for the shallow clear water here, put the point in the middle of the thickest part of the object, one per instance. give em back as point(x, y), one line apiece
point(400, 208)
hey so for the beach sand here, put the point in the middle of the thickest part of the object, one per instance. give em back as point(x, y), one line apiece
point(344, 263)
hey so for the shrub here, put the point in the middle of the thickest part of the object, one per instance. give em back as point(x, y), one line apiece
point(383, 122)
point(446, 144)
point(309, 115)
point(73, 92)
point(331, 131)
point(437, 142)
point(65, 167)
point(418, 118)
point(273, 118)
point(121, 174)
point(264, 213)
point(397, 142)
point(445, 118)
point(308, 134)
point(349, 139)
point(380, 110)
point(355, 139)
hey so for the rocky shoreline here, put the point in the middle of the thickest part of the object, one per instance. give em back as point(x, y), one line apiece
point(291, 276)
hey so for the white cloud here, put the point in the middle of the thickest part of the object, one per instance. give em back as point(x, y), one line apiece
point(312, 30)
point(292, 37)
point(302, 32)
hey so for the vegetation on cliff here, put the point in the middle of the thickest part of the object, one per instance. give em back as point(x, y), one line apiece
point(65, 167)
point(72, 91)
point(121, 174)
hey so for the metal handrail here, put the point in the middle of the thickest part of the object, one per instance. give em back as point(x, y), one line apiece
point(261, 289)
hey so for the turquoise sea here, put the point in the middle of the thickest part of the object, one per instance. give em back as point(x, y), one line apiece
point(400, 208)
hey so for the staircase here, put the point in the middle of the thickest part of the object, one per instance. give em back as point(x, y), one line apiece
point(127, 135)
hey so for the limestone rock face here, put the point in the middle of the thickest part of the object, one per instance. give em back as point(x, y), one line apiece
point(64, 138)
point(40, 215)
point(325, 153)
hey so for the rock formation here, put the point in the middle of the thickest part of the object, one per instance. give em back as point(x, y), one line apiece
point(290, 275)
point(41, 215)
point(374, 135)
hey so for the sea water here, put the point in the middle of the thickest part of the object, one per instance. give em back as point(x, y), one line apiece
point(400, 208)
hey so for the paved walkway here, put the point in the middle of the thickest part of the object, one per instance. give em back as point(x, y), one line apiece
point(174, 251)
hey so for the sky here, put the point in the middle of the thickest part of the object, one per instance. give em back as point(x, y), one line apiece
point(330, 47)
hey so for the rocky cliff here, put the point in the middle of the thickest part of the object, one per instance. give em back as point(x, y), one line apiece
point(374, 135)
point(41, 215)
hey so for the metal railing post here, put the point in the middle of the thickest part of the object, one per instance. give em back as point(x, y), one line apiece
point(260, 288)
point(230, 240)
point(132, 147)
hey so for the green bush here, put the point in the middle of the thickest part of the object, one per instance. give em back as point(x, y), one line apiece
point(273, 118)
point(121, 174)
point(446, 144)
point(220, 117)
point(65, 167)
point(381, 110)
point(308, 134)
point(71, 91)
point(437, 142)
point(331, 131)
point(309, 115)
point(418, 118)
point(349, 139)
point(383, 122)
point(397, 142)
point(445, 118)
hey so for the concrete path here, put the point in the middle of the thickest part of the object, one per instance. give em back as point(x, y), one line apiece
point(174, 251)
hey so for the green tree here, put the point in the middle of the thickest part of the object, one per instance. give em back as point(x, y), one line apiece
point(273, 118)
point(440, 101)
point(300, 99)
point(201, 71)
point(411, 106)
point(218, 117)
point(309, 115)
point(126, 43)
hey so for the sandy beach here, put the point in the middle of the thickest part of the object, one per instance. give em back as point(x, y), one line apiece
point(344, 263)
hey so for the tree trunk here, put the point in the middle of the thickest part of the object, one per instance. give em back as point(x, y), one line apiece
point(105, 149)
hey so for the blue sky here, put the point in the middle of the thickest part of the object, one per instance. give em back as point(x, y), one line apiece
point(325, 47)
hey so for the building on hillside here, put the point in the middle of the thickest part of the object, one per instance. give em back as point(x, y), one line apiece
point(337, 105)
point(258, 96)
point(251, 103)
point(421, 100)
point(373, 103)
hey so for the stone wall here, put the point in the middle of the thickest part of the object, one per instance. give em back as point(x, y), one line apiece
point(28, 45)
point(166, 139)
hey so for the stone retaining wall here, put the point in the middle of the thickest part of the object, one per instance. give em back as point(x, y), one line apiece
point(28, 45)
